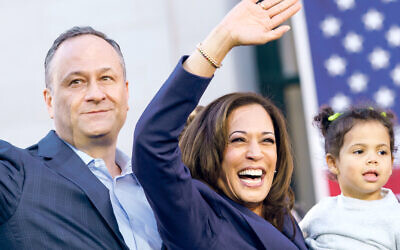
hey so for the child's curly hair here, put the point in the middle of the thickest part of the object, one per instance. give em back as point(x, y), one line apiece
point(334, 126)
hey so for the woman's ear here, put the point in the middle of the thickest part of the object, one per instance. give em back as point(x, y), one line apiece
point(332, 164)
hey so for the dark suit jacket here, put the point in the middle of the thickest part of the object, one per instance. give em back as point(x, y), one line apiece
point(49, 199)
point(191, 215)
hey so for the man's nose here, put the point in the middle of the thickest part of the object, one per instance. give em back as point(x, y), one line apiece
point(95, 92)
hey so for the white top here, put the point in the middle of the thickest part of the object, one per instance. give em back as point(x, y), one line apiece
point(346, 223)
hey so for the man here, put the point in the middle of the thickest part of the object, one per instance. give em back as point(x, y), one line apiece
point(74, 189)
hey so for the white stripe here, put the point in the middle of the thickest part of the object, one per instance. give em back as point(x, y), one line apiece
point(309, 96)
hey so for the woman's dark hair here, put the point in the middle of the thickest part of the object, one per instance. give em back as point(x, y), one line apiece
point(204, 141)
point(334, 130)
point(191, 118)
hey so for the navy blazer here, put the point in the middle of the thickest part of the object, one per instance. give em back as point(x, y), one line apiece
point(190, 215)
point(49, 199)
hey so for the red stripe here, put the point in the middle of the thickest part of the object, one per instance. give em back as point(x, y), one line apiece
point(393, 184)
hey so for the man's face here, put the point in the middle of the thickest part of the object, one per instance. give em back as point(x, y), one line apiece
point(89, 95)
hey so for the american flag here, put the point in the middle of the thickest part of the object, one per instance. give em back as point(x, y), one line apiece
point(354, 55)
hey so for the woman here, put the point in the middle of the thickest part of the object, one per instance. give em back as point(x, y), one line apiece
point(233, 148)
point(246, 133)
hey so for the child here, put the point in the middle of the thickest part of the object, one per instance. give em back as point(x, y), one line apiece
point(359, 146)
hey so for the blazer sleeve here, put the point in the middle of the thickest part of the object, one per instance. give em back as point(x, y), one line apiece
point(182, 214)
point(11, 180)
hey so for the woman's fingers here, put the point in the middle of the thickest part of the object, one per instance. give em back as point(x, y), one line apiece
point(266, 4)
point(276, 33)
point(280, 7)
point(285, 14)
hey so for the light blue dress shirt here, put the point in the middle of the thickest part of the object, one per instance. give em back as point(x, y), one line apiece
point(134, 215)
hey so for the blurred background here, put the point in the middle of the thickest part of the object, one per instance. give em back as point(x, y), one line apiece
point(154, 35)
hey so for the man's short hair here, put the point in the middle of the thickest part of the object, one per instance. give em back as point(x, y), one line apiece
point(74, 32)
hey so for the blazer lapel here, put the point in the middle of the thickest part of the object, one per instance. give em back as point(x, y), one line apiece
point(288, 231)
point(62, 158)
point(270, 237)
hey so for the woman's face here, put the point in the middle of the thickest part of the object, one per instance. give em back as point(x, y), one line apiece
point(250, 156)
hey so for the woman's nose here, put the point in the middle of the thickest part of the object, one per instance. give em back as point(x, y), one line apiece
point(254, 151)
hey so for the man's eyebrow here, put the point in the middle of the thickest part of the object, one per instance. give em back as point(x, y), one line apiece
point(72, 73)
point(80, 73)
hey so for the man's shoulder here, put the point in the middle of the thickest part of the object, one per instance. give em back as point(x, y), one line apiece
point(11, 151)
point(12, 175)
point(8, 150)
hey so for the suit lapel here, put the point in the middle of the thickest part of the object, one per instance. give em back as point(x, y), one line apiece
point(61, 158)
point(266, 232)
point(288, 231)
point(270, 237)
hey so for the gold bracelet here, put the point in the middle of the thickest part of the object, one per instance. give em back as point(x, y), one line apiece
point(211, 60)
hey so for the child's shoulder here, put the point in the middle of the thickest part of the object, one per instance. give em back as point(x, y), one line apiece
point(390, 198)
point(326, 202)
point(320, 210)
point(391, 201)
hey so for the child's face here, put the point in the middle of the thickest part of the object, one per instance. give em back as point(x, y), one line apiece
point(365, 161)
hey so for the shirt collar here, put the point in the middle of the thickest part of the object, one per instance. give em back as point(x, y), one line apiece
point(84, 157)
point(122, 160)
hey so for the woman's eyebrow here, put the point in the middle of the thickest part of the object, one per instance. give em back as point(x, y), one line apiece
point(244, 132)
point(268, 133)
point(237, 131)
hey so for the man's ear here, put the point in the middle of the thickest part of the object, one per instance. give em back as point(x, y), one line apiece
point(127, 92)
point(48, 99)
point(332, 164)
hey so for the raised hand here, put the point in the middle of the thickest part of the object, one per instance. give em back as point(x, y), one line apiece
point(248, 23)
